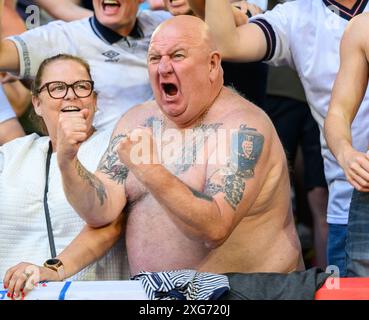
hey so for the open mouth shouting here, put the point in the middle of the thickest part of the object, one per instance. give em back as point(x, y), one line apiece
point(169, 90)
point(111, 6)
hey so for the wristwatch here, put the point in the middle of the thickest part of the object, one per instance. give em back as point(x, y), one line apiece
point(56, 265)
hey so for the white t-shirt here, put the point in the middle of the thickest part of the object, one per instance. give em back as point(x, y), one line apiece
point(23, 230)
point(118, 64)
point(6, 110)
point(306, 35)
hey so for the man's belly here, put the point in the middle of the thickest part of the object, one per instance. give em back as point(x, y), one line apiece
point(155, 243)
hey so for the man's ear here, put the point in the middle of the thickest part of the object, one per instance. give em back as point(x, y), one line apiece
point(215, 65)
point(36, 105)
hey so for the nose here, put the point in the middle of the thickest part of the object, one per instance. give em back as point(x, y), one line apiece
point(70, 94)
point(165, 66)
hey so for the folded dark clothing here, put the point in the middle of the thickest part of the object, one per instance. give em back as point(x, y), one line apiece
point(183, 285)
point(298, 285)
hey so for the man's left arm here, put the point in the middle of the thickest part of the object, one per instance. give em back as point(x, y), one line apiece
point(212, 214)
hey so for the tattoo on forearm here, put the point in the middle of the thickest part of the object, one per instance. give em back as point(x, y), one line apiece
point(93, 181)
point(247, 145)
point(110, 163)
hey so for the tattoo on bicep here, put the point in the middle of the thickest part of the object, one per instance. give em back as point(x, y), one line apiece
point(234, 188)
point(212, 188)
point(93, 181)
point(247, 145)
point(200, 195)
point(110, 163)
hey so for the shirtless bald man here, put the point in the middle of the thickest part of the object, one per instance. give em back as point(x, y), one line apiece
point(210, 215)
point(349, 96)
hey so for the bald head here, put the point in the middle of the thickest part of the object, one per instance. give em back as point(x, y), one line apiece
point(185, 28)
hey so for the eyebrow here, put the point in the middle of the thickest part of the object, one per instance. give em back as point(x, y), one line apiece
point(154, 52)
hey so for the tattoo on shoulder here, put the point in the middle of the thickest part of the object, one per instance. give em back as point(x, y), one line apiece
point(110, 163)
point(247, 145)
point(93, 181)
point(190, 150)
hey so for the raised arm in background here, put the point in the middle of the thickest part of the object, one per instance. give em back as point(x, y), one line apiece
point(348, 92)
point(243, 43)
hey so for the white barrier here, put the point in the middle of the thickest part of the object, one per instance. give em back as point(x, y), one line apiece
point(84, 290)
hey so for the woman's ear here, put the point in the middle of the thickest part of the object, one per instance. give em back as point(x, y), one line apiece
point(215, 66)
point(36, 105)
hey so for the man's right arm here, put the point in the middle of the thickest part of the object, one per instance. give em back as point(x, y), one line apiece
point(244, 43)
point(347, 95)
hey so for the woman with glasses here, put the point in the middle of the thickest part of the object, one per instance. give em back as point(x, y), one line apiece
point(37, 222)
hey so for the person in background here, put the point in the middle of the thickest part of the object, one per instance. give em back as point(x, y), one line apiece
point(14, 97)
point(299, 133)
point(347, 107)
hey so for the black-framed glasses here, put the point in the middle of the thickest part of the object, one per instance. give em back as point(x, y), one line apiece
point(59, 89)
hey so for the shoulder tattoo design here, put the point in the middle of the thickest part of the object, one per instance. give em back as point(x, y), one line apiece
point(246, 147)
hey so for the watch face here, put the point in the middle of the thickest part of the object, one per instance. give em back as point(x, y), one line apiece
point(52, 262)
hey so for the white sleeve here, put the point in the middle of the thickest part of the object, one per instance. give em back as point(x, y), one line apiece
point(6, 110)
point(276, 25)
point(37, 44)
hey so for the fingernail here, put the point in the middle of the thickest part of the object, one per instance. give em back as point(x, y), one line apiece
point(8, 294)
point(21, 290)
point(5, 286)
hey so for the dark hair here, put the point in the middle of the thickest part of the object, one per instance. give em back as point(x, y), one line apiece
point(39, 122)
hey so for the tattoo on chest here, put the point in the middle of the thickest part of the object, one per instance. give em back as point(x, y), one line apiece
point(110, 163)
point(149, 122)
point(93, 181)
point(246, 148)
point(192, 148)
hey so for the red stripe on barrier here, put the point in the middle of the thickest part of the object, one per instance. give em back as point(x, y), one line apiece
point(344, 289)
